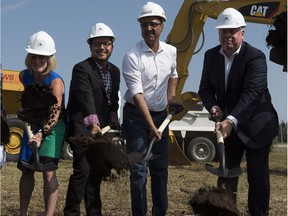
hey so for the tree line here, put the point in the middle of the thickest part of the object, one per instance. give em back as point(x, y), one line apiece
point(282, 135)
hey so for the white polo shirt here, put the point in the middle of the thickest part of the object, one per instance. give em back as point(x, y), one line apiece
point(147, 72)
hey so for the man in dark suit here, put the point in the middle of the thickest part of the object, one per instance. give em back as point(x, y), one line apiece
point(234, 88)
point(92, 105)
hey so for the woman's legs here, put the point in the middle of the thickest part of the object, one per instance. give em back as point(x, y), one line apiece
point(26, 186)
point(50, 191)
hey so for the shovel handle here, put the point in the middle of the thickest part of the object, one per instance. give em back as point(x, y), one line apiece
point(220, 138)
point(165, 123)
point(105, 130)
point(219, 135)
point(102, 131)
point(29, 131)
point(153, 140)
point(36, 165)
point(139, 157)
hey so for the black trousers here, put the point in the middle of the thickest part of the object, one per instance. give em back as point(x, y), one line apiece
point(82, 184)
point(257, 174)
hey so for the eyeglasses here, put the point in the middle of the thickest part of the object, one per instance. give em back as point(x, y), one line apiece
point(99, 44)
point(153, 25)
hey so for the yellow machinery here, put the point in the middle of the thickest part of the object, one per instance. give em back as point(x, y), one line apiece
point(186, 31)
point(11, 92)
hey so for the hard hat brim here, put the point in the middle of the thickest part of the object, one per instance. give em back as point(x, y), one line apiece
point(149, 15)
point(38, 52)
point(89, 39)
point(228, 27)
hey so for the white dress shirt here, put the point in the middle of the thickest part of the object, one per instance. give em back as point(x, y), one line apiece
point(147, 72)
point(228, 64)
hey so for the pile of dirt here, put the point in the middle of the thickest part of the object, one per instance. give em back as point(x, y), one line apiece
point(39, 105)
point(209, 201)
point(103, 155)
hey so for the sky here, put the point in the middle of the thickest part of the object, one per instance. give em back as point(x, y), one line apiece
point(69, 22)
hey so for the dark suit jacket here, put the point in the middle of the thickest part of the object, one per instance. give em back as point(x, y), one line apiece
point(246, 97)
point(87, 96)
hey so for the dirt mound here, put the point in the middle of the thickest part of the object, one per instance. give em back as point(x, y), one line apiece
point(103, 155)
point(39, 106)
point(212, 201)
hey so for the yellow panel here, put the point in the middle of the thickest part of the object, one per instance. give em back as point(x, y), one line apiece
point(11, 82)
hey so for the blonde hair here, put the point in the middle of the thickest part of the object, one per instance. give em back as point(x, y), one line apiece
point(51, 63)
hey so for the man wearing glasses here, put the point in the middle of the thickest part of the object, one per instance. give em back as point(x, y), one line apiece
point(92, 105)
point(149, 70)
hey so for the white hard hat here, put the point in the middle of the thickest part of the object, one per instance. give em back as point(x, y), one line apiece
point(152, 9)
point(100, 30)
point(230, 18)
point(41, 43)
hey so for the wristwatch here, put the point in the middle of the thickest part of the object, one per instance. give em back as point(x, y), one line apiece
point(232, 123)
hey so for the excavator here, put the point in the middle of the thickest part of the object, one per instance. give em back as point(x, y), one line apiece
point(193, 141)
point(11, 89)
point(187, 29)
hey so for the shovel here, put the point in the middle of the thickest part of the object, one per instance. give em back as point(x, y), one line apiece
point(36, 165)
point(140, 157)
point(222, 171)
point(103, 131)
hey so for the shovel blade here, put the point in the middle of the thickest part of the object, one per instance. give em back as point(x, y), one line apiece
point(224, 172)
point(234, 172)
point(40, 168)
point(151, 157)
point(36, 165)
point(137, 157)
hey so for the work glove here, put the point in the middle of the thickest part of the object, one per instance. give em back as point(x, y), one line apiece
point(176, 107)
point(216, 114)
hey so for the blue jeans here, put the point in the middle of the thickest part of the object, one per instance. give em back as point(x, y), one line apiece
point(137, 138)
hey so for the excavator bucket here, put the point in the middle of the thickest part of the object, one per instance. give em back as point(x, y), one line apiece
point(176, 154)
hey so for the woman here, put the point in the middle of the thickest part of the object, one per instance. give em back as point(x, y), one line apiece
point(41, 62)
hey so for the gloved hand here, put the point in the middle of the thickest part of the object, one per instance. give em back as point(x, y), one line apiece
point(176, 107)
point(113, 120)
point(216, 114)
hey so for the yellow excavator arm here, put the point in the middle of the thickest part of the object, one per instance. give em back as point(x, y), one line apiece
point(191, 18)
point(184, 35)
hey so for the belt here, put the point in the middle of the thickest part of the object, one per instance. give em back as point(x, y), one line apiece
point(132, 106)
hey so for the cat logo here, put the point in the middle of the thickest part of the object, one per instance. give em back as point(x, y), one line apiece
point(259, 11)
